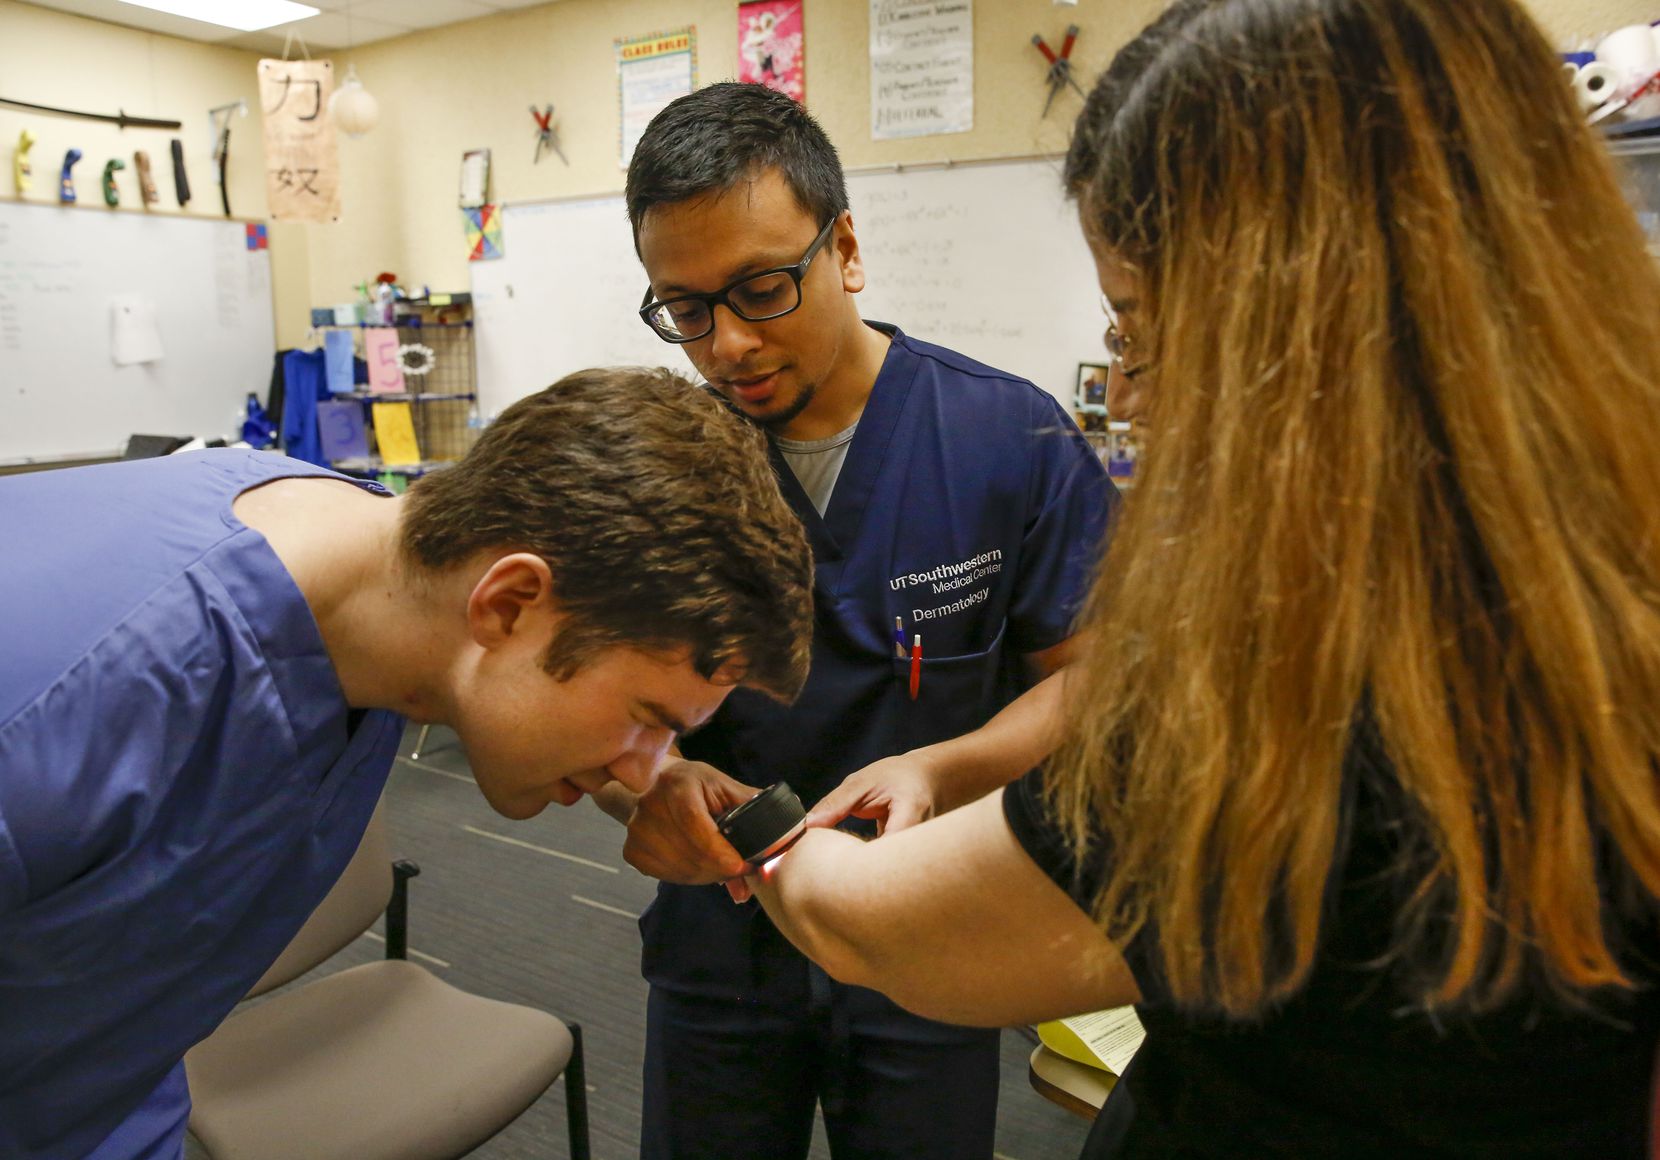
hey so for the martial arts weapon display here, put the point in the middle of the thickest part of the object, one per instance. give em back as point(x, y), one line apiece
point(764, 826)
point(181, 183)
point(146, 183)
point(219, 117)
point(112, 195)
point(547, 135)
point(119, 118)
point(222, 155)
point(22, 171)
point(66, 179)
point(1060, 65)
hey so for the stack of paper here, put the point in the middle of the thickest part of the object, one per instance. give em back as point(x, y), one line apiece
point(1104, 1039)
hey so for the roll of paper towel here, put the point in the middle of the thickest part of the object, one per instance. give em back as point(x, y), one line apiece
point(1635, 57)
point(1594, 84)
point(1632, 52)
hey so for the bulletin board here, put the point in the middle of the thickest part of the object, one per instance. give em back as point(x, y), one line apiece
point(984, 258)
point(62, 269)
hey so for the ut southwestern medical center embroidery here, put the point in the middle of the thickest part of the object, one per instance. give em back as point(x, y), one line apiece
point(951, 578)
point(948, 576)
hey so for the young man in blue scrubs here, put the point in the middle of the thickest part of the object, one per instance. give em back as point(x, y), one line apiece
point(209, 660)
point(943, 499)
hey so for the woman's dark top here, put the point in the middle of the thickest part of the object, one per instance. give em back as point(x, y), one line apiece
point(1350, 1067)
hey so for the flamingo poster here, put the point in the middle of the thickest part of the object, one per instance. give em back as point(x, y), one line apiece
point(772, 46)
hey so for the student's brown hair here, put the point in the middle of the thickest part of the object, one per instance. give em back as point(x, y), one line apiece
point(657, 512)
point(1403, 470)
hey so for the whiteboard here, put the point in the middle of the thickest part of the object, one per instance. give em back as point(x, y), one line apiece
point(986, 259)
point(61, 392)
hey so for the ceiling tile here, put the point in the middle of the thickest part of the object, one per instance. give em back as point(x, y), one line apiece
point(271, 46)
point(419, 13)
point(369, 21)
point(329, 31)
point(144, 19)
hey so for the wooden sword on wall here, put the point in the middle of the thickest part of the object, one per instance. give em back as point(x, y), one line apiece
point(118, 118)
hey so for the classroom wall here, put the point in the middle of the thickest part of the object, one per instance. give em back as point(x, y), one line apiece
point(469, 85)
point(1575, 20)
point(51, 58)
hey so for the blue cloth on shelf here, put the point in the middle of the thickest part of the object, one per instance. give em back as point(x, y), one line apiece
point(307, 385)
point(257, 429)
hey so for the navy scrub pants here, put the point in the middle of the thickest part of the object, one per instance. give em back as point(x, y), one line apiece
point(741, 1048)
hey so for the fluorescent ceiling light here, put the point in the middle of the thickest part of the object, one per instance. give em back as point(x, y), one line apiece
point(243, 15)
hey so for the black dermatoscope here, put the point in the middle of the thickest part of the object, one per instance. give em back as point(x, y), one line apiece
point(764, 826)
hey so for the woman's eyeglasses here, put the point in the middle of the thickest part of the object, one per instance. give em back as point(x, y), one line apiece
point(1120, 345)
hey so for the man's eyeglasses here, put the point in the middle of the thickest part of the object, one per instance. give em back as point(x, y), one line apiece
point(754, 298)
point(1119, 345)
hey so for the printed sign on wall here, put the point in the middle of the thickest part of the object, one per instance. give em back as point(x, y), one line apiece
point(921, 67)
point(302, 159)
point(651, 72)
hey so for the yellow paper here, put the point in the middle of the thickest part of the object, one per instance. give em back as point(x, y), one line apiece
point(395, 432)
point(1101, 1039)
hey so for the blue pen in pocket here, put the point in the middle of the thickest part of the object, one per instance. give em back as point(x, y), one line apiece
point(899, 638)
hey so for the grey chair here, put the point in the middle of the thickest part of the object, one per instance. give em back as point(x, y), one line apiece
point(382, 1060)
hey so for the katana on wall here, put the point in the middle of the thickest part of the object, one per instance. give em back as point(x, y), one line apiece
point(119, 118)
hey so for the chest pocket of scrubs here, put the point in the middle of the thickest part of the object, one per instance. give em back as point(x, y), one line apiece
point(955, 694)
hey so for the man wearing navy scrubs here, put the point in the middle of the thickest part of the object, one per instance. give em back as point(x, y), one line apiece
point(207, 664)
point(943, 499)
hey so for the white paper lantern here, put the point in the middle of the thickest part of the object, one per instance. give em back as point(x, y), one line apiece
point(353, 107)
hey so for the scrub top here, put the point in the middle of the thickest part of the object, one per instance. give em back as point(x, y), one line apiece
point(969, 507)
point(181, 782)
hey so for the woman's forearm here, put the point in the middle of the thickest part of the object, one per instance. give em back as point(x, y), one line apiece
point(1019, 737)
point(951, 919)
point(812, 894)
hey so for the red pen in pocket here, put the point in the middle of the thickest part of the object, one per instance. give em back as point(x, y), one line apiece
point(916, 665)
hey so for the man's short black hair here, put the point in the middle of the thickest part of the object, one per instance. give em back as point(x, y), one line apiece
point(708, 141)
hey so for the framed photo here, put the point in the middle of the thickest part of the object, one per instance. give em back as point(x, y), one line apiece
point(1120, 453)
point(475, 178)
point(1092, 386)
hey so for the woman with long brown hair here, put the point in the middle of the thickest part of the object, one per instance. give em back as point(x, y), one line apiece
point(1357, 794)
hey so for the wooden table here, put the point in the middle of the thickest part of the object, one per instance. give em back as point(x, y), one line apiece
point(1079, 1089)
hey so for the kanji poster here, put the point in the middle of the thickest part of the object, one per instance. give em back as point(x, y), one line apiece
point(302, 159)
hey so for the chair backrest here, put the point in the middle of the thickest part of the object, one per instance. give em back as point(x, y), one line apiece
point(350, 908)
